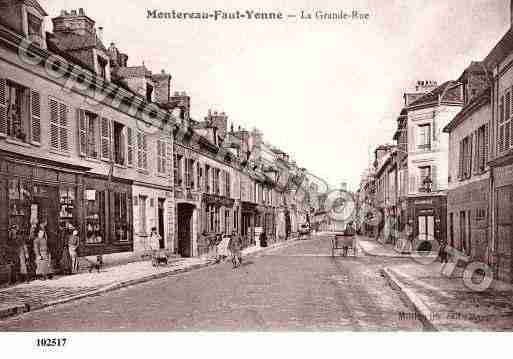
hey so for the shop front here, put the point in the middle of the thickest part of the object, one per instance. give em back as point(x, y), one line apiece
point(217, 219)
point(427, 216)
point(107, 216)
point(36, 192)
point(503, 224)
point(248, 214)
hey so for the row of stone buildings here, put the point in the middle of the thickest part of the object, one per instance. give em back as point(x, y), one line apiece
point(88, 140)
point(449, 174)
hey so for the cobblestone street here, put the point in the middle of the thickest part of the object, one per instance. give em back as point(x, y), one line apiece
point(299, 287)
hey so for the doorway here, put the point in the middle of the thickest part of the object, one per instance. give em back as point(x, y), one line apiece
point(185, 212)
point(160, 218)
point(426, 228)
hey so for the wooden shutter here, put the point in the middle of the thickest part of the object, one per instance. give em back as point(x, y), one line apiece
point(486, 145)
point(139, 150)
point(434, 178)
point(82, 132)
point(3, 106)
point(476, 154)
point(507, 135)
point(63, 127)
point(145, 151)
point(129, 147)
point(105, 139)
point(54, 124)
point(159, 156)
point(169, 157)
point(35, 116)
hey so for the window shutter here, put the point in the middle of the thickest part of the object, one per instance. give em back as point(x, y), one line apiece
point(469, 155)
point(82, 132)
point(413, 184)
point(507, 136)
point(145, 151)
point(159, 156)
point(434, 178)
point(105, 139)
point(460, 161)
point(35, 118)
point(507, 112)
point(477, 151)
point(3, 106)
point(139, 150)
point(54, 124)
point(500, 143)
point(129, 147)
point(486, 145)
point(63, 127)
point(169, 157)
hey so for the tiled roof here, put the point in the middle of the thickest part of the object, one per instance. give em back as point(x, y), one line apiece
point(476, 103)
point(133, 71)
point(450, 92)
point(503, 48)
point(35, 4)
point(70, 42)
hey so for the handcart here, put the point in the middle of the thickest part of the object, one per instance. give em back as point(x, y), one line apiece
point(159, 257)
point(344, 242)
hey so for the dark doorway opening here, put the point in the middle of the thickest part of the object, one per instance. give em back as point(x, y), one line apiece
point(185, 212)
point(162, 233)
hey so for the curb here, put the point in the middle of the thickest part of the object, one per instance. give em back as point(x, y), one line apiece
point(23, 308)
point(421, 310)
point(398, 255)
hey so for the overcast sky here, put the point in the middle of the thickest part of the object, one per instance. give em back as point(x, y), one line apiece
point(326, 92)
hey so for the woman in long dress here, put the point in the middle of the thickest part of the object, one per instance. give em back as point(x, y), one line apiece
point(43, 257)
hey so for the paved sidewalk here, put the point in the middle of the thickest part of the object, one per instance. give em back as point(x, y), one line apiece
point(38, 294)
point(371, 247)
point(445, 303)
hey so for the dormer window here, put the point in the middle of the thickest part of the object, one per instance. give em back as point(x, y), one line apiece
point(102, 67)
point(149, 92)
point(33, 26)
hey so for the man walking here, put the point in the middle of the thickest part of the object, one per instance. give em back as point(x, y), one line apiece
point(235, 248)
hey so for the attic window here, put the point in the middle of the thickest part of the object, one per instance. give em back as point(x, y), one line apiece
point(149, 92)
point(34, 29)
point(102, 67)
point(34, 25)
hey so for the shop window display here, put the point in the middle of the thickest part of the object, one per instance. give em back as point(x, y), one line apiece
point(95, 217)
point(121, 228)
point(19, 204)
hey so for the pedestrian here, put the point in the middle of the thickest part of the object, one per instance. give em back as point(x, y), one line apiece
point(235, 248)
point(348, 232)
point(442, 252)
point(43, 257)
point(65, 261)
point(19, 255)
point(263, 239)
point(73, 242)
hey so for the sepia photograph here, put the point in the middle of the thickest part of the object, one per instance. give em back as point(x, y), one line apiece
point(255, 169)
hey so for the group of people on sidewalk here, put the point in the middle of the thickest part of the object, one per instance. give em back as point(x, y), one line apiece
point(33, 257)
point(229, 246)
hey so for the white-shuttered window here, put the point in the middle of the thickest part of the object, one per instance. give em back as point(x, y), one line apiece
point(505, 123)
point(142, 151)
point(130, 147)
point(20, 112)
point(58, 125)
point(161, 156)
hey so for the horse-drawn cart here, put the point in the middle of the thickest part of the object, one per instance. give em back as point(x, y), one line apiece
point(344, 242)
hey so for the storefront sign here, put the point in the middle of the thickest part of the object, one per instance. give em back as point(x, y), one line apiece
point(424, 201)
point(503, 176)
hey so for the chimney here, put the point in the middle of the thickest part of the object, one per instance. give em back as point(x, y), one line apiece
point(78, 23)
point(100, 33)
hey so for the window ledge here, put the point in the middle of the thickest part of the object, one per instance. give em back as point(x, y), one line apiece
point(163, 175)
point(117, 165)
point(60, 153)
point(91, 159)
point(16, 142)
point(145, 172)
